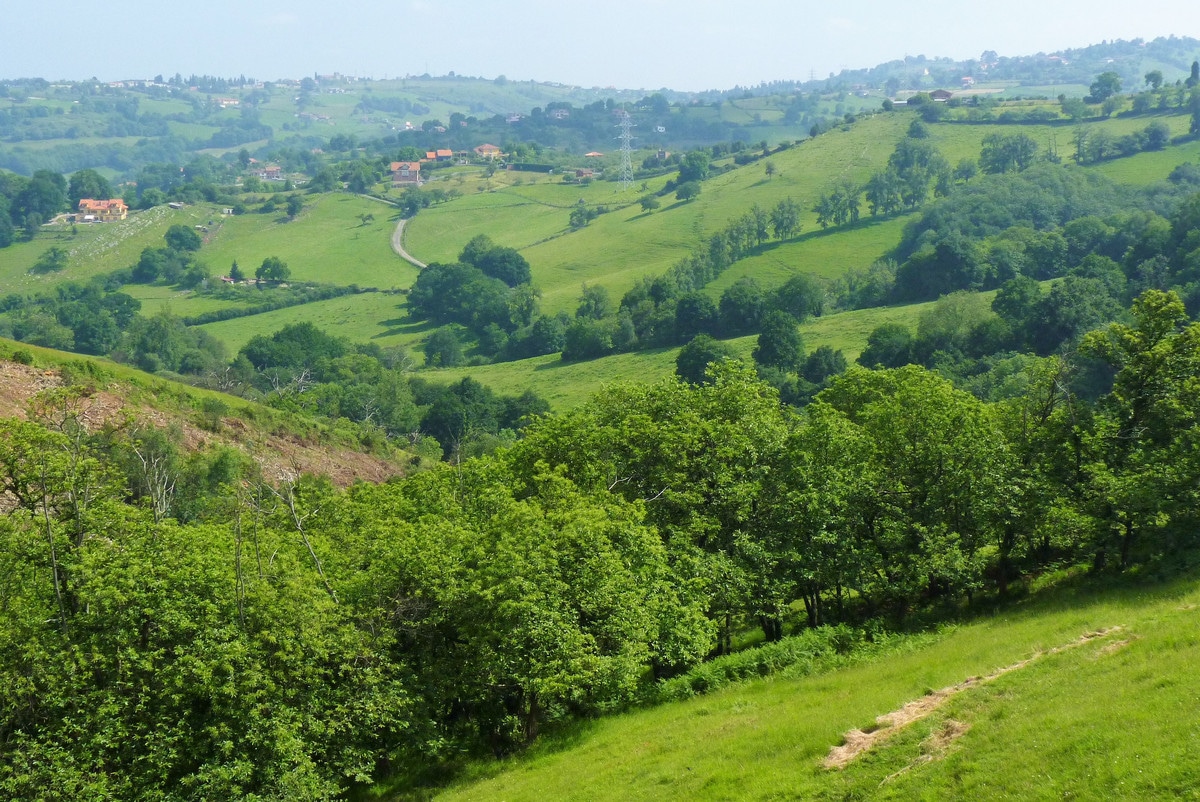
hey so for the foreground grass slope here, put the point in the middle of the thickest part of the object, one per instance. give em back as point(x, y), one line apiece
point(1114, 716)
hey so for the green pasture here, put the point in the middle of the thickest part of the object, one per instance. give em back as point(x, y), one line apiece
point(516, 216)
point(163, 106)
point(828, 253)
point(180, 303)
point(1046, 90)
point(568, 384)
point(961, 140)
point(371, 317)
point(327, 243)
point(617, 249)
point(1146, 168)
point(27, 145)
point(1089, 716)
point(191, 130)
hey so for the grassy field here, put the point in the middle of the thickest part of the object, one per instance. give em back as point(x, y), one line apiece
point(828, 254)
point(373, 317)
point(516, 216)
point(327, 243)
point(1146, 168)
point(567, 384)
point(185, 303)
point(1088, 716)
point(618, 248)
point(93, 249)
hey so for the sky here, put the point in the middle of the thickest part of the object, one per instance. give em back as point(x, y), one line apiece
point(687, 45)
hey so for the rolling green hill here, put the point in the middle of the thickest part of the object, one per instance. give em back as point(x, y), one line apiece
point(344, 239)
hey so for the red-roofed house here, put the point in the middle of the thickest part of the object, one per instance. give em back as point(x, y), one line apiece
point(405, 173)
point(104, 211)
point(487, 151)
point(268, 172)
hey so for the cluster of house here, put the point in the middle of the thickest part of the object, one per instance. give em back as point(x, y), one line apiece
point(409, 173)
point(93, 210)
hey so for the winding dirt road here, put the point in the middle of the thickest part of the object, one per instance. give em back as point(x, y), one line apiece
point(398, 245)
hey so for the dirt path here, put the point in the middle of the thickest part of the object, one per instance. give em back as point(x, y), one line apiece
point(856, 742)
point(398, 245)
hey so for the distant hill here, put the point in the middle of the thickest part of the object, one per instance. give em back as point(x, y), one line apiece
point(120, 127)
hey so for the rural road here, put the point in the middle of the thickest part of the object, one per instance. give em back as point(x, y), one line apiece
point(398, 245)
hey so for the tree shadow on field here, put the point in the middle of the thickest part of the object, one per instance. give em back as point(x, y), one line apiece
point(424, 782)
point(559, 363)
point(403, 325)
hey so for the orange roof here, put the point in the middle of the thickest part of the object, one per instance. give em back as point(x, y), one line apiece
point(487, 148)
point(94, 205)
point(443, 152)
point(430, 154)
point(394, 166)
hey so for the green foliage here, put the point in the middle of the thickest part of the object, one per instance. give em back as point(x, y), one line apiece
point(779, 345)
point(443, 348)
point(688, 190)
point(691, 365)
point(273, 269)
point(182, 238)
point(1004, 154)
point(1105, 86)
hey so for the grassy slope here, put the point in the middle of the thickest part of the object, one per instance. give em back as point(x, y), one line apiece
point(94, 249)
point(567, 384)
point(327, 242)
point(618, 248)
point(828, 253)
point(369, 317)
point(1103, 720)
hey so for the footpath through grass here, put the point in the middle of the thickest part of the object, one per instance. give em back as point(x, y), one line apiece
point(1116, 716)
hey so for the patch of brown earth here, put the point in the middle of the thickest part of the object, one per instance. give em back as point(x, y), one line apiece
point(1114, 647)
point(856, 742)
point(281, 457)
point(936, 746)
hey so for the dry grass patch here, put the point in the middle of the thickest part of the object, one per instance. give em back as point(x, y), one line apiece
point(856, 742)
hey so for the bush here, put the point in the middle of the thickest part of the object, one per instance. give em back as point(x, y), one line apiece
point(22, 357)
point(801, 653)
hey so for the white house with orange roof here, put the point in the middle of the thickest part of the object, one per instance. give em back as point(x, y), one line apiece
point(101, 211)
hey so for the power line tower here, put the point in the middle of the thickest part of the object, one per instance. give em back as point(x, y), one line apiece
point(626, 138)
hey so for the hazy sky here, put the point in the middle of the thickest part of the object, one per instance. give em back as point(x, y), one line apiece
point(679, 44)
